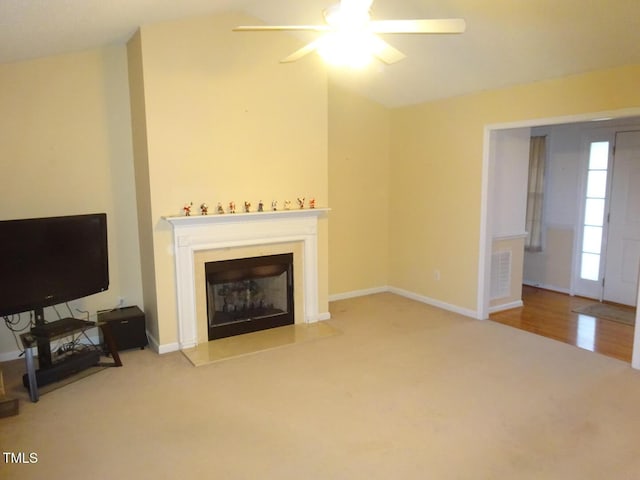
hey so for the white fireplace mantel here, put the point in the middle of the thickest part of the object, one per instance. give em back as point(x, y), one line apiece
point(196, 233)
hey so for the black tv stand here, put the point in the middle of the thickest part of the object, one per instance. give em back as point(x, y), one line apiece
point(42, 334)
point(45, 332)
point(71, 365)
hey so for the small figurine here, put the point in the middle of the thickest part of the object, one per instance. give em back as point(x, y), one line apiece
point(274, 205)
point(301, 202)
point(220, 209)
point(204, 209)
point(287, 204)
point(187, 209)
point(260, 206)
point(312, 203)
point(232, 207)
point(247, 206)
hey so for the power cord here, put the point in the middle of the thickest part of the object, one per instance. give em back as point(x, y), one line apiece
point(13, 325)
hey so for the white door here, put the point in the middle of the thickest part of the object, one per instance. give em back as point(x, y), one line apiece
point(623, 239)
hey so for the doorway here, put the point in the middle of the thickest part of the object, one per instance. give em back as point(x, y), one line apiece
point(487, 234)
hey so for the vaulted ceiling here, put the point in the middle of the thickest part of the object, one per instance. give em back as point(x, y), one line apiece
point(507, 42)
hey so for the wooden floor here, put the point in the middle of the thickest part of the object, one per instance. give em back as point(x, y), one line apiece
point(549, 314)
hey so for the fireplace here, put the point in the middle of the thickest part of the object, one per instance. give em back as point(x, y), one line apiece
point(200, 239)
point(249, 294)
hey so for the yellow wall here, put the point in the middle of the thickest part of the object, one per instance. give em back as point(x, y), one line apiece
point(225, 121)
point(552, 267)
point(65, 145)
point(436, 157)
point(358, 192)
point(142, 183)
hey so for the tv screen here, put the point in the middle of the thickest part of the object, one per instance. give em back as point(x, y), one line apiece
point(46, 261)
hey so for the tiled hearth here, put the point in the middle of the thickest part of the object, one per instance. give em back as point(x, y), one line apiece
point(250, 343)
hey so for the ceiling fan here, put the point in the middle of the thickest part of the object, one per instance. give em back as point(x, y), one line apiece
point(349, 31)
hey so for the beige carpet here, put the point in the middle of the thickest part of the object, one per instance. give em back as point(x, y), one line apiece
point(406, 391)
point(609, 312)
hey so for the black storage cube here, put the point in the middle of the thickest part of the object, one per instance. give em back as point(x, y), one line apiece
point(127, 326)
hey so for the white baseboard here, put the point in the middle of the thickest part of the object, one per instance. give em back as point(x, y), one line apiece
point(405, 293)
point(434, 303)
point(505, 306)
point(164, 348)
point(168, 348)
point(357, 293)
point(153, 343)
point(553, 288)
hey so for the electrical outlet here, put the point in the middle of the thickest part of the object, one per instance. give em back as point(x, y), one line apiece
point(120, 302)
point(436, 275)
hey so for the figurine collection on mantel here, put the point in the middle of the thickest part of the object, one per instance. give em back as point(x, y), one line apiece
point(231, 206)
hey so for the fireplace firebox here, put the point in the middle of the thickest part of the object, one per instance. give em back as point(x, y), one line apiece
point(249, 294)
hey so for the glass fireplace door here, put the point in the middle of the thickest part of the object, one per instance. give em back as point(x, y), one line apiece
point(249, 294)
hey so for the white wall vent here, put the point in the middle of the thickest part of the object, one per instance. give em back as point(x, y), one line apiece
point(500, 274)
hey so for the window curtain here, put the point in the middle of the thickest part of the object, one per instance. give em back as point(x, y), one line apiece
point(535, 193)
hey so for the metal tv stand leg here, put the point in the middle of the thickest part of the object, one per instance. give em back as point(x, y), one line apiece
point(27, 342)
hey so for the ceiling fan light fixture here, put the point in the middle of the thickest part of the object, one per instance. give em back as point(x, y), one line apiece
point(347, 49)
point(351, 37)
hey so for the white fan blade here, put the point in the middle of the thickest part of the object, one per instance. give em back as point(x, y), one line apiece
point(298, 54)
point(268, 28)
point(385, 52)
point(443, 25)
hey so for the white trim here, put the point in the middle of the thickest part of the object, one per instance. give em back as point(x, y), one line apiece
point(433, 302)
point(213, 232)
point(403, 293)
point(513, 236)
point(506, 306)
point(167, 348)
point(577, 118)
point(358, 293)
point(192, 220)
point(485, 247)
point(545, 286)
point(153, 342)
point(161, 349)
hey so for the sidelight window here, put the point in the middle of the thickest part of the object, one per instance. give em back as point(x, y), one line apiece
point(594, 211)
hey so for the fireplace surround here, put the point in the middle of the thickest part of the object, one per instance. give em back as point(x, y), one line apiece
point(205, 238)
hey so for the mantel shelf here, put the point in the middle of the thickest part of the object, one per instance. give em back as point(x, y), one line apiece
point(185, 220)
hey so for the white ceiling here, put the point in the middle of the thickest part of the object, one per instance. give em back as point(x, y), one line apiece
point(507, 42)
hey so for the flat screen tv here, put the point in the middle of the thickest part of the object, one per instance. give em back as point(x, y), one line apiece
point(47, 261)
